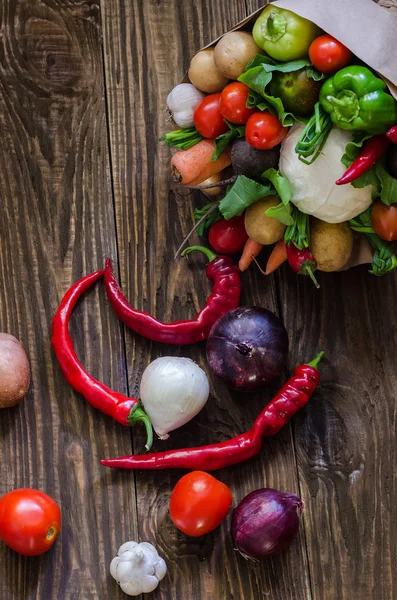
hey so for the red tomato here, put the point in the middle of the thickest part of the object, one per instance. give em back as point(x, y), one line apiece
point(29, 521)
point(328, 55)
point(228, 237)
point(199, 503)
point(207, 117)
point(384, 221)
point(264, 131)
point(233, 103)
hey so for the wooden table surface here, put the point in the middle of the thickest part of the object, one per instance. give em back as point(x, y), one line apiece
point(82, 177)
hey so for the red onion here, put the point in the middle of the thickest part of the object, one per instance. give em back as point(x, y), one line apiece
point(265, 522)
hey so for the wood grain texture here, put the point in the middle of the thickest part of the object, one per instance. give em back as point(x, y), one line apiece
point(147, 48)
point(56, 224)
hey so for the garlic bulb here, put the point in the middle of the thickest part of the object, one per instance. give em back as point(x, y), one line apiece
point(138, 568)
point(182, 101)
point(173, 390)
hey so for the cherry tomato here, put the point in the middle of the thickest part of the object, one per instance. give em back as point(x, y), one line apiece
point(233, 103)
point(207, 117)
point(30, 521)
point(199, 503)
point(264, 131)
point(328, 55)
point(384, 221)
point(228, 237)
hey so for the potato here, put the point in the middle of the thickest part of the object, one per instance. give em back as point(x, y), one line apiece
point(331, 244)
point(260, 228)
point(233, 52)
point(203, 73)
point(213, 179)
point(14, 371)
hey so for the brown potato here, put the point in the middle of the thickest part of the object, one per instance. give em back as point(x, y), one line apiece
point(233, 52)
point(216, 178)
point(331, 244)
point(260, 228)
point(203, 72)
point(14, 371)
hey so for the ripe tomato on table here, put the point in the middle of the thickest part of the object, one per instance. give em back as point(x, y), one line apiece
point(264, 131)
point(207, 117)
point(199, 503)
point(228, 237)
point(328, 55)
point(384, 221)
point(233, 103)
point(30, 521)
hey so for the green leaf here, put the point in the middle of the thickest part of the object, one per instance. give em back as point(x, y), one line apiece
point(281, 212)
point(353, 148)
point(182, 138)
point(368, 178)
point(242, 194)
point(384, 259)
point(298, 233)
point(222, 141)
point(280, 184)
point(312, 73)
point(388, 185)
point(212, 218)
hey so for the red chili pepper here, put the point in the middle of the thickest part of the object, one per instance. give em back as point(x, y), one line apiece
point(291, 397)
point(368, 157)
point(126, 411)
point(225, 296)
point(302, 261)
point(392, 134)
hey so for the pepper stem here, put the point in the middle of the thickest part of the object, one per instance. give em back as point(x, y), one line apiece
point(309, 271)
point(315, 361)
point(346, 105)
point(274, 28)
point(138, 414)
point(209, 254)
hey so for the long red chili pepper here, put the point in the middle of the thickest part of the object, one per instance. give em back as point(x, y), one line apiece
point(291, 397)
point(302, 261)
point(392, 134)
point(123, 409)
point(368, 157)
point(225, 296)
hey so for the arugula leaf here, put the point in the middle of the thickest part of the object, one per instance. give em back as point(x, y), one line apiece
point(280, 184)
point(312, 73)
point(242, 194)
point(212, 218)
point(222, 141)
point(388, 185)
point(353, 148)
point(281, 212)
point(384, 259)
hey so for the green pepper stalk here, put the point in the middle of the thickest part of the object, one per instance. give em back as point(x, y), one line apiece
point(384, 259)
point(358, 100)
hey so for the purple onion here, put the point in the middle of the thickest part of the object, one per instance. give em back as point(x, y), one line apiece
point(265, 523)
point(247, 348)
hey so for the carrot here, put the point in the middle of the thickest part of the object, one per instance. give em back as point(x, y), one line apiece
point(194, 165)
point(277, 257)
point(251, 249)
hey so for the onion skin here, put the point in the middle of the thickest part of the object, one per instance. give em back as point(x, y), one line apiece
point(265, 523)
point(247, 348)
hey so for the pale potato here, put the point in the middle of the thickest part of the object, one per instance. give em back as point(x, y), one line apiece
point(233, 52)
point(331, 244)
point(261, 228)
point(14, 371)
point(204, 74)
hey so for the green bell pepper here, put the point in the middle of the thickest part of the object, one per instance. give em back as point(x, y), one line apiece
point(356, 99)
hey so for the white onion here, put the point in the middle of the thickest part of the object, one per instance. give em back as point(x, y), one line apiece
point(182, 101)
point(173, 390)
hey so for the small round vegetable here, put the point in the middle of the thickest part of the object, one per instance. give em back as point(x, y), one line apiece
point(30, 521)
point(328, 55)
point(247, 348)
point(384, 221)
point(216, 178)
point(207, 117)
point(228, 237)
point(261, 228)
point(265, 523)
point(233, 103)
point(283, 34)
point(14, 371)
point(199, 503)
point(204, 74)
point(331, 244)
point(251, 162)
point(264, 131)
point(298, 92)
point(233, 52)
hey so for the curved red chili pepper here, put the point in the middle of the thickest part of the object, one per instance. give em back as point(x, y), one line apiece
point(368, 157)
point(291, 397)
point(123, 409)
point(225, 296)
point(392, 134)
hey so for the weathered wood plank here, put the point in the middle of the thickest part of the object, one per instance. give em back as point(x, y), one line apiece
point(147, 49)
point(57, 224)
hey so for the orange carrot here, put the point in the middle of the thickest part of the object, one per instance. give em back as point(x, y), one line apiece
point(277, 257)
point(251, 249)
point(194, 165)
